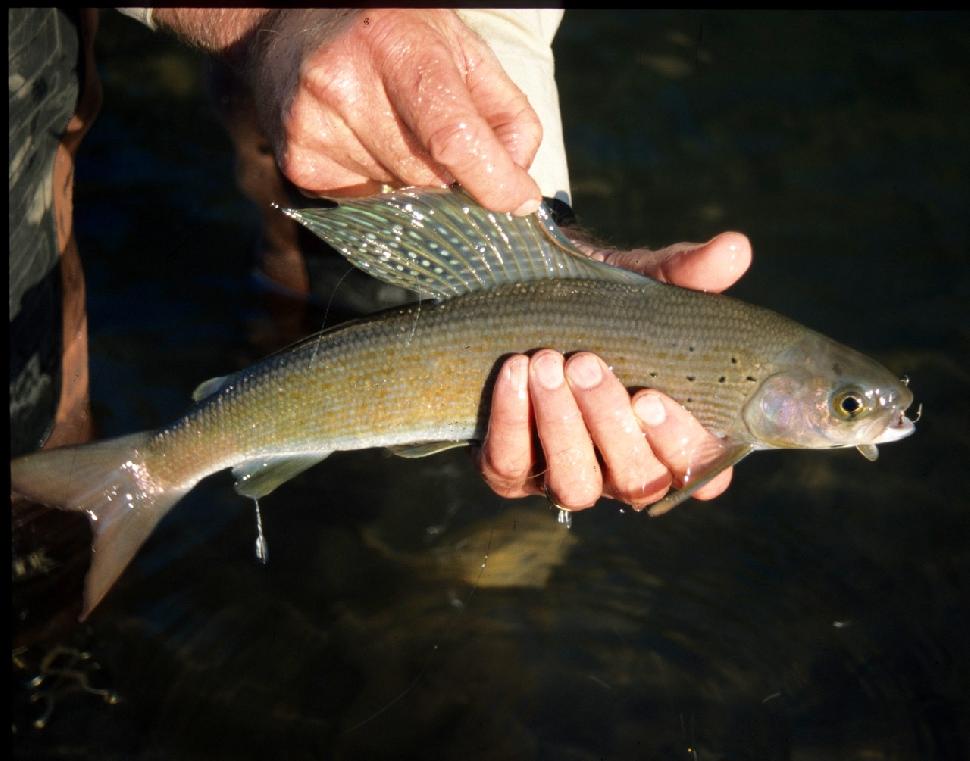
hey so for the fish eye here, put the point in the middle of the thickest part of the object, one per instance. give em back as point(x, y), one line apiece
point(849, 403)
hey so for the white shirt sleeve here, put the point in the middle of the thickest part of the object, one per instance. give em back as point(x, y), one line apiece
point(522, 42)
point(144, 15)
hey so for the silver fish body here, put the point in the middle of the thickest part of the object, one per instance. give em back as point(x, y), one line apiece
point(421, 372)
point(419, 376)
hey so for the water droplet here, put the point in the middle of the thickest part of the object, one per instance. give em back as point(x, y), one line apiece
point(564, 517)
point(262, 548)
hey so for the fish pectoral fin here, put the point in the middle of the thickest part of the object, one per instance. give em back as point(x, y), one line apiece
point(208, 388)
point(425, 448)
point(869, 451)
point(731, 454)
point(257, 478)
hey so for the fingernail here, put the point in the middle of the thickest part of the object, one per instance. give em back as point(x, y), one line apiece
point(517, 375)
point(585, 371)
point(650, 409)
point(548, 370)
point(528, 207)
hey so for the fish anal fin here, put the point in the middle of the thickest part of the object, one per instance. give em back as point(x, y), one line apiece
point(257, 478)
point(425, 448)
point(730, 454)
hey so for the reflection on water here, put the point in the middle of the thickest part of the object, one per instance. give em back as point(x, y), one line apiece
point(816, 611)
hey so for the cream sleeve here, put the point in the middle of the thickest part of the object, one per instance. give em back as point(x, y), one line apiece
point(144, 15)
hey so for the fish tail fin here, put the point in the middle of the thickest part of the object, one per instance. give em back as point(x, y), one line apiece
point(109, 481)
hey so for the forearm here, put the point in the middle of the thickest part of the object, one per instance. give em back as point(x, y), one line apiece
point(217, 30)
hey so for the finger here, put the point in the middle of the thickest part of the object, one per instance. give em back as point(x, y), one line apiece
point(377, 127)
point(712, 266)
point(679, 440)
point(632, 473)
point(434, 102)
point(396, 148)
point(502, 104)
point(507, 458)
point(573, 474)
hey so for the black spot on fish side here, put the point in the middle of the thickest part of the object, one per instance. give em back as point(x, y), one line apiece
point(721, 379)
point(690, 378)
point(751, 378)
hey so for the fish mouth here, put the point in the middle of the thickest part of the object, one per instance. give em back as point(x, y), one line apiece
point(899, 428)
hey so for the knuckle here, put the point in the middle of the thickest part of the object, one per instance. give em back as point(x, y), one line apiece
point(635, 488)
point(454, 144)
point(501, 468)
point(526, 126)
point(295, 167)
point(333, 81)
point(648, 497)
point(507, 488)
point(576, 491)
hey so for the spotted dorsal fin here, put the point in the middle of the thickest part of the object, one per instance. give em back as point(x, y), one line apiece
point(440, 243)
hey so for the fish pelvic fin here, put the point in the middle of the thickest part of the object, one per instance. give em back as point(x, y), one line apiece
point(425, 448)
point(440, 243)
point(107, 480)
point(731, 454)
point(257, 478)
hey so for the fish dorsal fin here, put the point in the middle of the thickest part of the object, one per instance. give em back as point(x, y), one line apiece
point(439, 243)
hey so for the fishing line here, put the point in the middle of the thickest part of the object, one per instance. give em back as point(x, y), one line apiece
point(333, 295)
point(326, 314)
point(414, 327)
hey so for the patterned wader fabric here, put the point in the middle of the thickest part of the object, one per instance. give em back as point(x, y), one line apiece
point(49, 68)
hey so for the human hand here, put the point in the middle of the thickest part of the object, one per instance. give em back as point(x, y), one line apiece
point(395, 96)
point(578, 407)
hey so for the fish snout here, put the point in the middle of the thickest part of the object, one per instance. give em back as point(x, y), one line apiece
point(900, 426)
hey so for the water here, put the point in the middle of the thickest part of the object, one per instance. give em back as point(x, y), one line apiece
point(818, 610)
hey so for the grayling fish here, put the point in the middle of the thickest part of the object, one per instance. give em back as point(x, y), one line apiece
point(417, 378)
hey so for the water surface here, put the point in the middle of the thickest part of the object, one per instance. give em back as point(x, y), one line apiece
point(818, 610)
